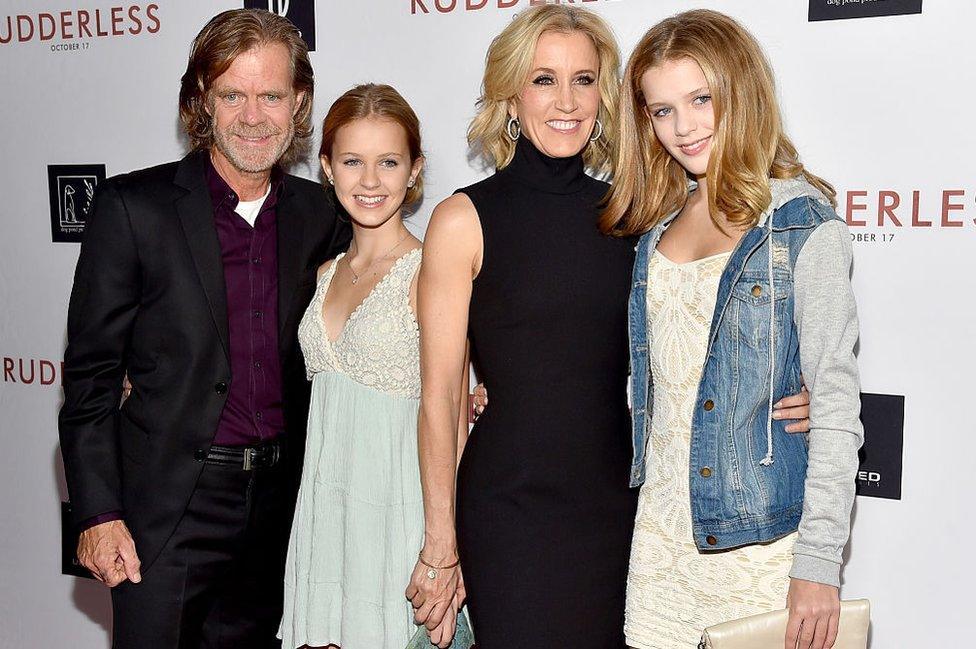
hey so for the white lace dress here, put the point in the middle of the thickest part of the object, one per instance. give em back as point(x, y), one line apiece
point(674, 591)
point(359, 520)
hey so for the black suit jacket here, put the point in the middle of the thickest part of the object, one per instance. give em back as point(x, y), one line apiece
point(149, 299)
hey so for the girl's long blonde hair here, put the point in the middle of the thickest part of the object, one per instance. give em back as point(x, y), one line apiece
point(749, 145)
point(507, 66)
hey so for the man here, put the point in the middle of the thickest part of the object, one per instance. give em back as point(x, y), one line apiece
point(192, 278)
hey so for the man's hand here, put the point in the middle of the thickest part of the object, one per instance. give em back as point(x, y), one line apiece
point(108, 551)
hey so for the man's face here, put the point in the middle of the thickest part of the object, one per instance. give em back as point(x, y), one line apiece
point(252, 105)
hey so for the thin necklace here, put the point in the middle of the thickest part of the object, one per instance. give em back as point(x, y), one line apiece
point(356, 276)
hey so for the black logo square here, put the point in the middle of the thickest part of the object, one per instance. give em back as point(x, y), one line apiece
point(840, 9)
point(879, 473)
point(299, 12)
point(69, 546)
point(71, 189)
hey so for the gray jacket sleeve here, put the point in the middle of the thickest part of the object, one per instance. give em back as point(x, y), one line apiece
point(826, 320)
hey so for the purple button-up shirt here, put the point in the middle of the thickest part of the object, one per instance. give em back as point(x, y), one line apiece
point(252, 412)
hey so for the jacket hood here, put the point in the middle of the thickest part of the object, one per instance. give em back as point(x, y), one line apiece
point(785, 190)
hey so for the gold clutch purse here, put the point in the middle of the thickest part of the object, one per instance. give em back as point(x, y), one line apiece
point(768, 630)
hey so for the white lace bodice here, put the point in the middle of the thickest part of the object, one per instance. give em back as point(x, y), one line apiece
point(680, 302)
point(673, 590)
point(379, 346)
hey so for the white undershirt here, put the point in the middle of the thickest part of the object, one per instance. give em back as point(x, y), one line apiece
point(249, 210)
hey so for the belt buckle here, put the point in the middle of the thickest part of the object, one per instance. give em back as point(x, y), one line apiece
point(248, 457)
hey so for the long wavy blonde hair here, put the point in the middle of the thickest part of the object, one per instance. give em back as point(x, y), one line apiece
point(749, 145)
point(507, 66)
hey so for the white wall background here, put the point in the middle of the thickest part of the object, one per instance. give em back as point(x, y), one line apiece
point(873, 104)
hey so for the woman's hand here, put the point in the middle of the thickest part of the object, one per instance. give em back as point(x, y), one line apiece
point(443, 634)
point(452, 258)
point(814, 615)
point(794, 407)
point(432, 598)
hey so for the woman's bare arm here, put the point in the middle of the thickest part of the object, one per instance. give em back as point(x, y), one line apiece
point(452, 257)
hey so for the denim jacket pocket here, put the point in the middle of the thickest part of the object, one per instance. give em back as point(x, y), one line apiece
point(750, 310)
point(753, 288)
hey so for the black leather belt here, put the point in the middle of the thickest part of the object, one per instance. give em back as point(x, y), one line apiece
point(262, 456)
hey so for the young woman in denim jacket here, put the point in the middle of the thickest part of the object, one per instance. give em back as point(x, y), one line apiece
point(741, 282)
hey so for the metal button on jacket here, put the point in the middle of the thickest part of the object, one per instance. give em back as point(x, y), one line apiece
point(705, 472)
point(711, 540)
point(708, 405)
point(756, 290)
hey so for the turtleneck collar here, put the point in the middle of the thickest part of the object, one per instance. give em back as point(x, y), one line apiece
point(551, 175)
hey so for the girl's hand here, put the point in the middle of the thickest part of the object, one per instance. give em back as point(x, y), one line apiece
point(814, 615)
point(479, 400)
point(127, 390)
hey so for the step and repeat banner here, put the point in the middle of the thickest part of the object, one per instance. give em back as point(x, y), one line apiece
point(877, 95)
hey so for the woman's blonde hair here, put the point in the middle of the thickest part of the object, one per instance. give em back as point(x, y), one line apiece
point(749, 145)
point(507, 66)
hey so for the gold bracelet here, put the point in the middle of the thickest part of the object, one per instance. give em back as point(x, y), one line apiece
point(432, 569)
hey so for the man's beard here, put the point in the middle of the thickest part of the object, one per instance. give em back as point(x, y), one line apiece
point(251, 159)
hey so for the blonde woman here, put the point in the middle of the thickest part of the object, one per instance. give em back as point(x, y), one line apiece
point(516, 264)
point(741, 282)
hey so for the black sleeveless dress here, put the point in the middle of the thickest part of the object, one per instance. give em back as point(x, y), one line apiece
point(544, 510)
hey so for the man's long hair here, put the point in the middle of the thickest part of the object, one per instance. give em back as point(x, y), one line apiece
point(223, 39)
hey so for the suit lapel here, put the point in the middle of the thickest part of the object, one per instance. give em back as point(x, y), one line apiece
point(195, 210)
point(290, 220)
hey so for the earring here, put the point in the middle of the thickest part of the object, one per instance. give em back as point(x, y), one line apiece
point(410, 182)
point(513, 136)
point(331, 181)
point(599, 131)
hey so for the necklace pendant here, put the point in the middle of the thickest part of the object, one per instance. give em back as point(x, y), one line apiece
point(355, 279)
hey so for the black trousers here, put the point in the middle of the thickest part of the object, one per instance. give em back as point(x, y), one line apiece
point(218, 582)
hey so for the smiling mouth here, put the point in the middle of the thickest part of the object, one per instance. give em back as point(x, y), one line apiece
point(260, 139)
point(565, 125)
point(369, 202)
point(696, 147)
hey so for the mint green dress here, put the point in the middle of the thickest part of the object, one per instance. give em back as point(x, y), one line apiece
point(359, 520)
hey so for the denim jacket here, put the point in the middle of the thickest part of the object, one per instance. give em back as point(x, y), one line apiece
point(747, 475)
